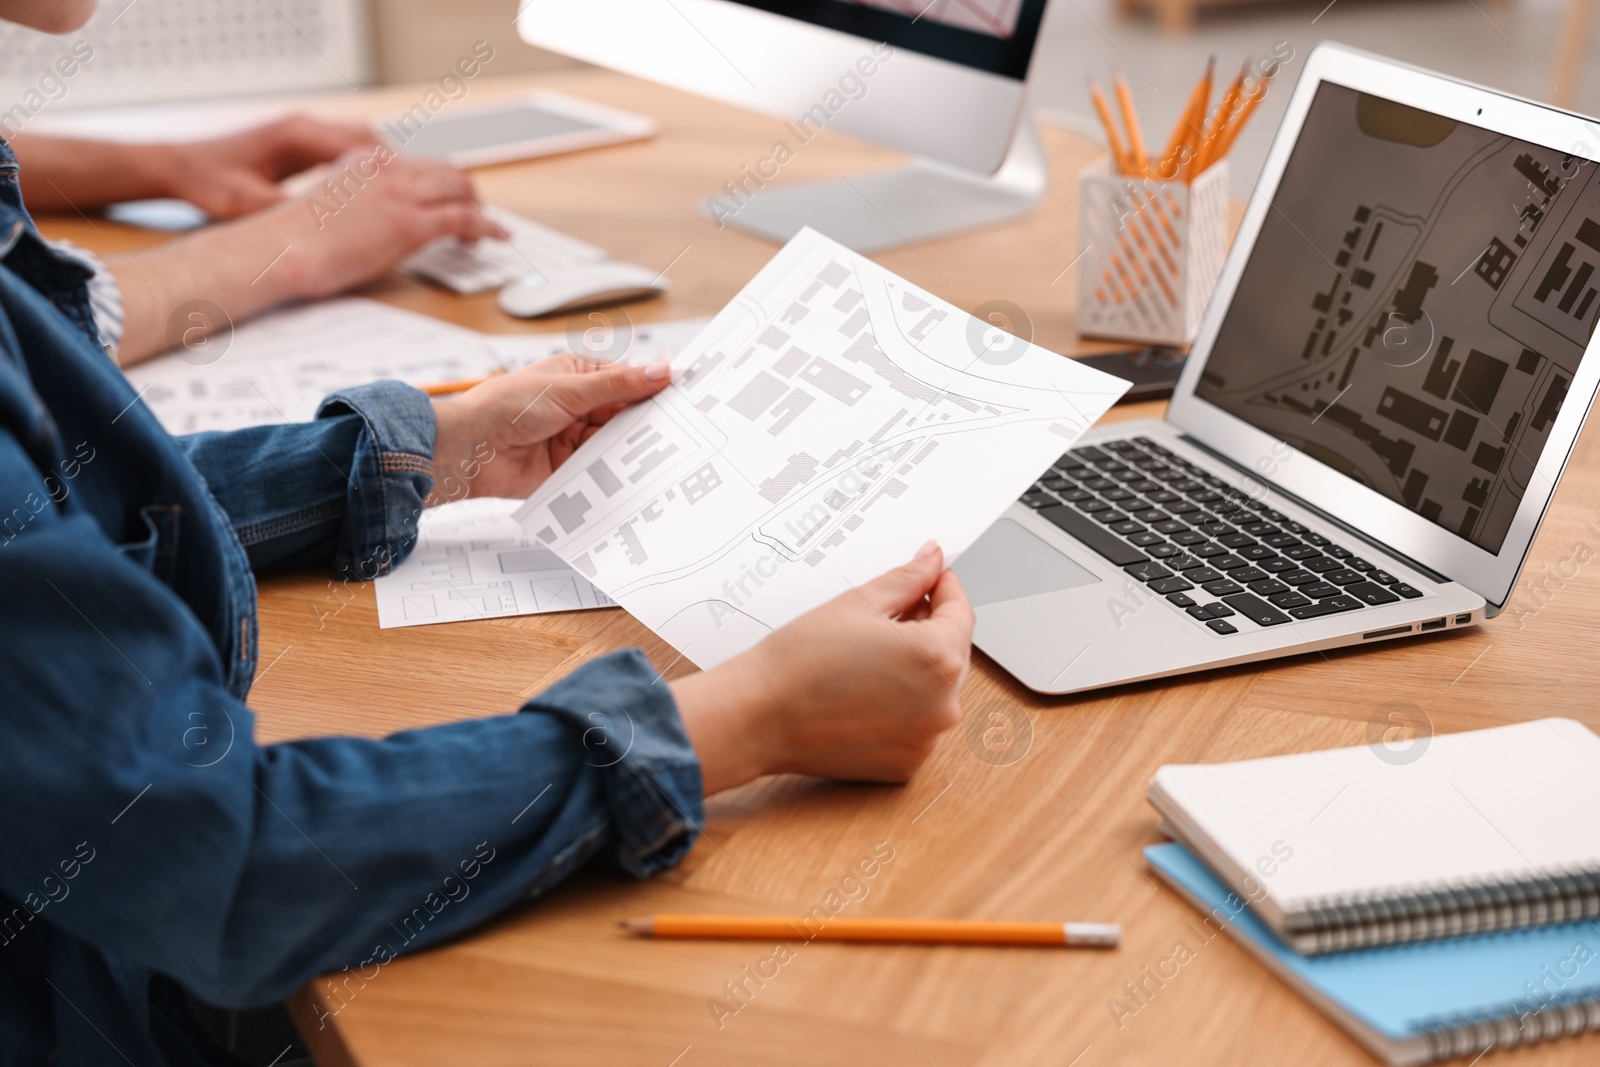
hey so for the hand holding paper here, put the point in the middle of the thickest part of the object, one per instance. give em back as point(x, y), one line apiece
point(511, 431)
point(826, 423)
point(858, 688)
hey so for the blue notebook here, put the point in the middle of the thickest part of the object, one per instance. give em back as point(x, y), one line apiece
point(1420, 1002)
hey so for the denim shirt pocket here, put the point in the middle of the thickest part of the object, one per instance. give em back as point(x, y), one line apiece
point(157, 550)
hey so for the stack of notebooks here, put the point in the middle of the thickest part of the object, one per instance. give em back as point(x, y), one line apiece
point(1436, 907)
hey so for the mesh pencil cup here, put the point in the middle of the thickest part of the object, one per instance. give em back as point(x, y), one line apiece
point(1153, 251)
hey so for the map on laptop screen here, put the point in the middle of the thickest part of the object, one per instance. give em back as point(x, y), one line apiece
point(1415, 307)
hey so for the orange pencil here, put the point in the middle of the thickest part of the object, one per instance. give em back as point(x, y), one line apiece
point(927, 931)
point(1118, 159)
point(1197, 121)
point(1137, 159)
point(1222, 121)
point(1232, 132)
point(1199, 98)
point(446, 388)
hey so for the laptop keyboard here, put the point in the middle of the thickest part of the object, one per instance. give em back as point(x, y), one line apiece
point(1207, 547)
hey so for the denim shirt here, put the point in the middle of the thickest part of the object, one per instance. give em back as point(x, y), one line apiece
point(147, 839)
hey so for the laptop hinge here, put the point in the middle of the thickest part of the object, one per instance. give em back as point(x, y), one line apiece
point(1345, 527)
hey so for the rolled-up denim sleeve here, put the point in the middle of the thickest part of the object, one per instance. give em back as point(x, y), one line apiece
point(628, 727)
point(243, 870)
point(345, 490)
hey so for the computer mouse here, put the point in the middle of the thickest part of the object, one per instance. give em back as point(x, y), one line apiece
point(587, 285)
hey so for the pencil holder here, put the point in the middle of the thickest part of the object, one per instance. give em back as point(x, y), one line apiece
point(1152, 253)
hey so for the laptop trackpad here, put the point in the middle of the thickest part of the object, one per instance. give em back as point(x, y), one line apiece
point(1008, 562)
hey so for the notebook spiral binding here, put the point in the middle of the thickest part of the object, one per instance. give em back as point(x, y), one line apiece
point(1525, 1028)
point(1446, 911)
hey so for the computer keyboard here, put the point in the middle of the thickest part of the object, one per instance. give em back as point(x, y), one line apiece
point(1209, 548)
point(489, 264)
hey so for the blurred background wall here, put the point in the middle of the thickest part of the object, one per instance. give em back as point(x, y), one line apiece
point(415, 39)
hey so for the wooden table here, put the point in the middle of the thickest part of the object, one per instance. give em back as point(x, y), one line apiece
point(1049, 826)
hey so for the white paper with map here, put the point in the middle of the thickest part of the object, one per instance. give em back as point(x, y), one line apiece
point(602, 335)
point(825, 424)
point(473, 561)
point(280, 367)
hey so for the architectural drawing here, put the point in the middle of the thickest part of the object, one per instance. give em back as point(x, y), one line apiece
point(280, 367)
point(826, 423)
point(602, 336)
point(473, 561)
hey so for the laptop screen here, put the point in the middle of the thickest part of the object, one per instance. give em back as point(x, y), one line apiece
point(1415, 307)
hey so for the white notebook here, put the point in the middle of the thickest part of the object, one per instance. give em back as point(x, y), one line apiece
point(1486, 830)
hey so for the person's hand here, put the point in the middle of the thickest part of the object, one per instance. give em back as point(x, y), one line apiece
point(373, 209)
point(351, 226)
point(238, 174)
point(382, 208)
point(505, 436)
point(859, 688)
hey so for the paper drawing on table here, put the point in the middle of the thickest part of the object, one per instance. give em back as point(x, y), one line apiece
point(600, 336)
point(832, 415)
point(279, 367)
point(421, 606)
point(472, 561)
point(556, 594)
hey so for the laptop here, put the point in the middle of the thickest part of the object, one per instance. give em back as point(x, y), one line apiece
point(1383, 393)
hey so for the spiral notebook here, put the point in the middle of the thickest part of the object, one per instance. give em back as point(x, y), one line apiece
point(1421, 1002)
point(1453, 834)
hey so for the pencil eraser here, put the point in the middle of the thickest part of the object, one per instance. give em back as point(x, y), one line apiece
point(1098, 935)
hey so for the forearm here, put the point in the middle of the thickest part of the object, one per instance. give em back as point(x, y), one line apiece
point(730, 715)
point(74, 174)
point(288, 248)
point(228, 273)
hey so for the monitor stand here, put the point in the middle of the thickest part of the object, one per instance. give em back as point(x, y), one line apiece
point(890, 209)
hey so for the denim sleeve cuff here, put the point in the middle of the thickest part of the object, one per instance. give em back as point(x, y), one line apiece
point(391, 475)
point(630, 731)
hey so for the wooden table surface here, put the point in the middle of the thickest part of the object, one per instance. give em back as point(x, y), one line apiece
point(1037, 815)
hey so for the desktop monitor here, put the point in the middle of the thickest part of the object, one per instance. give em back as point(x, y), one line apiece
point(943, 80)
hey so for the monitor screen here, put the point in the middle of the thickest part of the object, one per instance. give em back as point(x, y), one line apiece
point(997, 18)
point(990, 35)
point(1415, 307)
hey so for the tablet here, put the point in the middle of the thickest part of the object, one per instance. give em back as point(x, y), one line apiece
point(540, 124)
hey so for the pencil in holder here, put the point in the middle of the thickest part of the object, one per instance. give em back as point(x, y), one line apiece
point(1152, 253)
